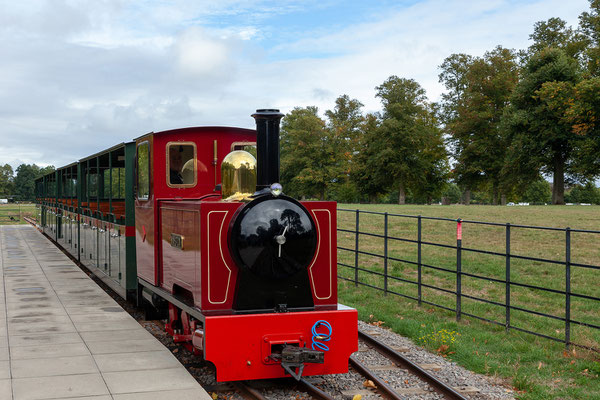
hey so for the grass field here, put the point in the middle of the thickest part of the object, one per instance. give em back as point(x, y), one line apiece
point(537, 367)
point(11, 214)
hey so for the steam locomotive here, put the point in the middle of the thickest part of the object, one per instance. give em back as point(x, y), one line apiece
point(195, 229)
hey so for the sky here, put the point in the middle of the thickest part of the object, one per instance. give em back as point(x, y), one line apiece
point(77, 77)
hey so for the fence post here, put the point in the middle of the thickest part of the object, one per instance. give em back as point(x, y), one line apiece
point(507, 301)
point(458, 267)
point(568, 288)
point(385, 254)
point(419, 258)
point(356, 249)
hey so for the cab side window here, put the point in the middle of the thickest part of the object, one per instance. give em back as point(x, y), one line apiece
point(181, 164)
point(143, 171)
point(250, 147)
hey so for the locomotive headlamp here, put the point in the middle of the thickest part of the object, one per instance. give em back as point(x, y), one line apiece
point(276, 189)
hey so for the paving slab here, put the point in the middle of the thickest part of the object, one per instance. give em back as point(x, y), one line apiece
point(116, 335)
point(125, 346)
point(106, 397)
point(6, 389)
point(41, 367)
point(185, 394)
point(63, 337)
point(4, 370)
point(149, 380)
point(43, 339)
point(32, 313)
point(4, 352)
point(48, 351)
point(134, 361)
point(59, 386)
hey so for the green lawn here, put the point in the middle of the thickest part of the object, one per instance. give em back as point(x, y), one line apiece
point(538, 367)
point(11, 214)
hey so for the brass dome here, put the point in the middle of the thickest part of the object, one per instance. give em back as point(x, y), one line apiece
point(238, 176)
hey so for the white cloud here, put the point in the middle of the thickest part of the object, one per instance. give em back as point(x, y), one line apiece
point(201, 56)
point(80, 76)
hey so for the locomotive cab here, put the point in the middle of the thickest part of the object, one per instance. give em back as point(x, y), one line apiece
point(181, 165)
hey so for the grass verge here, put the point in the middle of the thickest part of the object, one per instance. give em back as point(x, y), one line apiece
point(11, 214)
point(538, 368)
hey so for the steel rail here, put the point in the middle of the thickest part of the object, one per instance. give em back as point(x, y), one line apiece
point(383, 388)
point(314, 391)
point(248, 392)
point(439, 386)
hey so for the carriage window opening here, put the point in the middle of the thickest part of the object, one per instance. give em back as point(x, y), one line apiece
point(117, 187)
point(181, 164)
point(143, 171)
point(93, 185)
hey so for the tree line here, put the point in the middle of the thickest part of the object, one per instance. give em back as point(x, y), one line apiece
point(19, 185)
point(508, 120)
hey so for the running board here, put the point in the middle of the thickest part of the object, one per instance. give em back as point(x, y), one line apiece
point(193, 311)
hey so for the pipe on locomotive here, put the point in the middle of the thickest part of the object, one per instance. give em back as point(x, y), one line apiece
point(267, 147)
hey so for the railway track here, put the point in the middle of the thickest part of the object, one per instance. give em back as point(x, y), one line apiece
point(248, 392)
point(381, 387)
point(402, 362)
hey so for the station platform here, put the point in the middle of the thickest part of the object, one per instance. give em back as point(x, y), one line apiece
point(63, 337)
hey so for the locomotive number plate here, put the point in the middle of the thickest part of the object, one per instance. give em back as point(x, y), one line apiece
point(177, 241)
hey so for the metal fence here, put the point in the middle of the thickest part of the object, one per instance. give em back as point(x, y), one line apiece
point(13, 213)
point(531, 293)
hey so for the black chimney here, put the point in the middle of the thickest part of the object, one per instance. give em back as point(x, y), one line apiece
point(267, 147)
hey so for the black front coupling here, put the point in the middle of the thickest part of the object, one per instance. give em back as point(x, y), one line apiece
point(295, 357)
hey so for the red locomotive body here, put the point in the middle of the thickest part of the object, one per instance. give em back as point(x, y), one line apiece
point(251, 283)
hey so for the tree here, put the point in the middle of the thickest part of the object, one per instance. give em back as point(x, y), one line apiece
point(587, 193)
point(405, 147)
point(346, 119)
point(491, 80)
point(24, 181)
point(577, 106)
point(589, 26)
point(41, 171)
point(538, 192)
point(453, 76)
point(583, 114)
point(434, 158)
point(309, 160)
point(454, 69)
point(541, 139)
point(452, 194)
point(554, 33)
point(478, 144)
point(345, 131)
point(365, 172)
point(557, 104)
point(6, 180)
